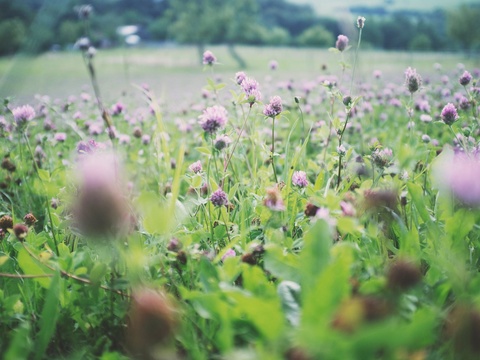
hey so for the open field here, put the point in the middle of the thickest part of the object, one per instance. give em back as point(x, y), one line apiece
point(321, 219)
point(175, 75)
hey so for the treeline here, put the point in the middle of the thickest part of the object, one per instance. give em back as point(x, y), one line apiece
point(39, 25)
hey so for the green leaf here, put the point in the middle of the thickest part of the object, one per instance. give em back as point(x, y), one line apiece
point(289, 293)
point(31, 267)
point(283, 266)
point(21, 345)
point(418, 199)
point(98, 272)
point(48, 319)
point(458, 226)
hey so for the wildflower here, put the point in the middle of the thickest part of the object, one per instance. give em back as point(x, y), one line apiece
point(324, 214)
point(20, 231)
point(347, 208)
point(83, 43)
point(299, 178)
point(465, 78)
point(60, 137)
point(382, 157)
point(84, 11)
point(251, 88)
point(174, 245)
point(311, 209)
point(30, 219)
point(449, 114)
point(124, 139)
point(146, 139)
point(151, 323)
point(413, 81)
point(23, 114)
point(273, 200)
point(360, 22)
point(209, 58)
point(239, 77)
point(222, 141)
point(213, 118)
point(341, 150)
point(377, 74)
point(273, 65)
point(228, 254)
point(117, 108)
point(219, 198)
point(403, 275)
point(342, 42)
point(6, 222)
point(425, 138)
point(274, 108)
point(196, 167)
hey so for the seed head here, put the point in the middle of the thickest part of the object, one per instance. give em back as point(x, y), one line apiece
point(20, 231)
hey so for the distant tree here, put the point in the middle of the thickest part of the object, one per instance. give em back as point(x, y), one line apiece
point(420, 42)
point(462, 26)
point(12, 36)
point(317, 36)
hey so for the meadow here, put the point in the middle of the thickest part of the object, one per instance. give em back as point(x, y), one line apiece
point(316, 205)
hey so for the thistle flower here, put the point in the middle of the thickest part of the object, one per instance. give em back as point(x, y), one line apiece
point(360, 22)
point(274, 108)
point(299, 178)
point(413, 81)
point(23, 114)
point(465, 78)
point(273, 200)
point(219, 198)
point(213, 118)
point(209, 58)
point(449, 114)
point(196, 167)
point(342, 42)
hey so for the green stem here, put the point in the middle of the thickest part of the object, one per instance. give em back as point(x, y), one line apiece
point(273, 151)
point(356, 57)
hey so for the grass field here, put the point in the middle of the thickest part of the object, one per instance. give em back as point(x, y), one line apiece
point(173, 73)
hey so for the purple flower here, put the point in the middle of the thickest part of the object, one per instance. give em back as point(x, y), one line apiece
point(222, 141)
point(465, 78)
point(117, 108)
point(196, 167)
point(22, 114)
point(273, 65)
point(209, 58)
point(342, 42)
point(213, 118)
point(251, 89)
point(413, 81)
point(382, 157)
point(60, 137)
point(219, 198)
point(146, 139)
point(124, 139)
point(449, 114)
point(229, 253)
point(239, 77)
point(273, 200)
point(274, 108)
point(459, 173)
point(299, 178)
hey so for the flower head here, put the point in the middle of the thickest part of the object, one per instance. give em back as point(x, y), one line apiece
point(413, 81)
point(360, 22)
point(209, 58)
point(196, 167)
point(342, 42)
point(251, 88)
point(239, 77)
point(219, 198)
point(273, 200)
point(465, 78)
point(299, 178)
point(228, 254)
point(449, 114)
point(273, 108)
point(222, 141)
point(382, 157)
point(22, 114)
point(213, 118)
point(60, 137)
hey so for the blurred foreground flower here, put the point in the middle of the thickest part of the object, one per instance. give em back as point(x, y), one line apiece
point(209, 58)
point(100, 208)
point(23, 114)
point(152, 323)
point(459, 173)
